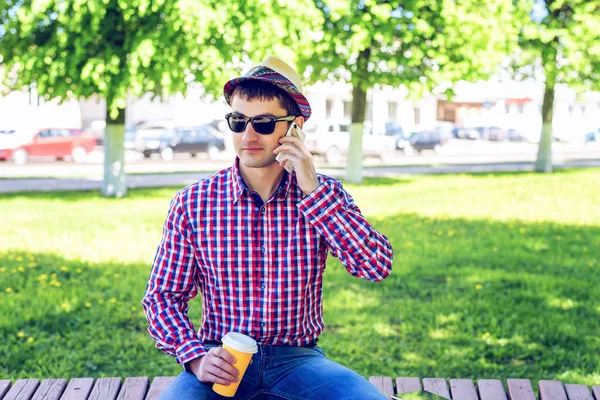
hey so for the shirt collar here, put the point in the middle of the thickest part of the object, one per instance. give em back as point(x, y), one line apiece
point(239, 186)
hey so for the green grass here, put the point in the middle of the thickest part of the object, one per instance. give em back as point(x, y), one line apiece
point(495, 276)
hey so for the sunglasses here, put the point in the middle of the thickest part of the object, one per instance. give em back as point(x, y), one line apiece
point(263, 125)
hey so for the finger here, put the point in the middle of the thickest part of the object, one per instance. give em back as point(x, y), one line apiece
point(287, 146)
point(283, 157)
point(221, 373)
point(224, 366)
point(225, 355)
point(296, 143)
point(215, 379)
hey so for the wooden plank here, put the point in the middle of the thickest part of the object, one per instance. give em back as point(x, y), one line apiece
point(106, 389)
point(437, 386)
point(159, 384)
point(520, 389)
point(463, 389)
point(408, 385)
point(50, 389)
point(4, 387)
point(552, 390)
point(384, 384)
point(578, 392)
point(78, 389)
point(134, 388)
point(491, 389)
point(596, 391)
point(23, 389)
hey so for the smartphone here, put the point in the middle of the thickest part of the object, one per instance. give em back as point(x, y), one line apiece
point(293, 130)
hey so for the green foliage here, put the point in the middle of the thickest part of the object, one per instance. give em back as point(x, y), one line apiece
point(565, 36)
point(416, 43)
point(495, 276)
point(115, 48)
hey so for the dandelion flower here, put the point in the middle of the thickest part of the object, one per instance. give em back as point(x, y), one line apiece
point(66, 306)
point(30, 340)
point(21, 334)
point(112, 301)
point(117, 276)
point(21, 269)
point(8, 290)
point(42, 277)
point(2, 269)
point(64, 268)
point(88, 304)
point(478, 287)
point(56, 283)
point(19, 259)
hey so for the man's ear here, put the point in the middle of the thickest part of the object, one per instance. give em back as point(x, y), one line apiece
point(299, 121)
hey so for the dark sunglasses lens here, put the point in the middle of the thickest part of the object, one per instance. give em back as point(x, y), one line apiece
point(264, 126)
point(236, 124)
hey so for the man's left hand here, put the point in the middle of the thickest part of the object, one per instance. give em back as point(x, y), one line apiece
point(292, 149)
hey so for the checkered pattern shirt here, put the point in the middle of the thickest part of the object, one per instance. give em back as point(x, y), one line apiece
point(258, 266)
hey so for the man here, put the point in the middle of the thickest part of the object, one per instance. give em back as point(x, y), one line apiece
point(253, 239)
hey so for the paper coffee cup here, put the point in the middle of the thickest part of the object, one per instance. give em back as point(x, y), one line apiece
point(241, 347)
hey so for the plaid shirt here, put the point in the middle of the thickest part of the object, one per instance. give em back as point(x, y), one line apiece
point(258, 266)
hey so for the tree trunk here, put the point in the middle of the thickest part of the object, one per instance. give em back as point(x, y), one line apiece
point(114, 183)
point(544, 155)
point(543, 162)
point(354, 170)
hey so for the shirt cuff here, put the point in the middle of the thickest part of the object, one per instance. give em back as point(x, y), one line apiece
point(320, 203)
point(190, 350)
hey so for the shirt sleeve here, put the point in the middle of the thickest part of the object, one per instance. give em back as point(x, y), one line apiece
point(171, 286)
point(364, 252)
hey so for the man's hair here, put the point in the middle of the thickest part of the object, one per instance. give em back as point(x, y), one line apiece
point(257, 90)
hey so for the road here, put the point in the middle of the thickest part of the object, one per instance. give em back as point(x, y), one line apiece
point(458, 157)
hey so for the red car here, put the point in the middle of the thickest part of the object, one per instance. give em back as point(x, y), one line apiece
point(59, 143)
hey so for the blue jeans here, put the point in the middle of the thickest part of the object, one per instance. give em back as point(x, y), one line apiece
point(284, 372)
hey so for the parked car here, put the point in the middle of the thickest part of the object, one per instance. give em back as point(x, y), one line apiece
point(331, 140)
point(397, 132)
point(8, 142)
point(129, 139)
point(593, 136)
point(192, 140)
point(513, 135)
point(427, 140)
point(56, 142)
point(465, 133)
point(493, 133)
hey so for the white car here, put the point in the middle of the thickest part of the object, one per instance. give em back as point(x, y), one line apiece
point(331, 140)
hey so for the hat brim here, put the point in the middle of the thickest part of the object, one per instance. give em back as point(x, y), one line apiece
point(283, 84)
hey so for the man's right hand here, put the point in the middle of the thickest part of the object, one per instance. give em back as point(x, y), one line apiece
point(215, 366)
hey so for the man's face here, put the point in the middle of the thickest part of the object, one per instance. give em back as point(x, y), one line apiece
point(253, 149)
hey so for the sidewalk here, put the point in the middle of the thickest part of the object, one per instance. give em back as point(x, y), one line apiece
point(181, 179)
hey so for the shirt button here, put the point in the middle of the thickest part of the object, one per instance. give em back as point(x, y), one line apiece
point(264, 210)
point(263, 286)
point(262, 323)
point(262, 248)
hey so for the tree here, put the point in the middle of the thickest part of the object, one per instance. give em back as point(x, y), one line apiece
point(562, 37)
point(115, 48)
point(416, 43)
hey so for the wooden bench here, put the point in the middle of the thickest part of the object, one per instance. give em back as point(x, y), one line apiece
point(139, 388)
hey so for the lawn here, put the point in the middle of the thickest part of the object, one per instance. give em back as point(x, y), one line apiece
point(495, 276)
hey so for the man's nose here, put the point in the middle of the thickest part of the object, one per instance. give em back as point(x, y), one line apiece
point(250, 134)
